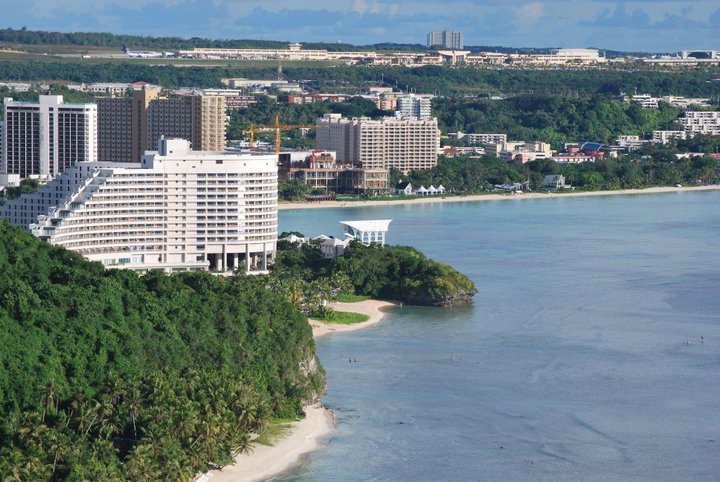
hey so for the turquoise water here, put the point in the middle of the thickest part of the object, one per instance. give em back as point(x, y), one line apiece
point(572, 364)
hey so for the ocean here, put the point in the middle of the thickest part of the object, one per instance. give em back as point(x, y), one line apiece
point(580, 359)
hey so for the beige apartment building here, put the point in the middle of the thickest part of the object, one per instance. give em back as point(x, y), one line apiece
point(127, 127)
point(404, 144)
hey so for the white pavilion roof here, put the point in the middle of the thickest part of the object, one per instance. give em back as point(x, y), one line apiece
point(369, 225)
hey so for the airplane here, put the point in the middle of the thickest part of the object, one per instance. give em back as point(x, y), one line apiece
point(140, 54)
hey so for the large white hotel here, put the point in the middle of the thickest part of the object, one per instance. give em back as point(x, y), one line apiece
point(177, 210)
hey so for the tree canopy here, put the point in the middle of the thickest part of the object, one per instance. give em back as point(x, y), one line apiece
point(108, 375)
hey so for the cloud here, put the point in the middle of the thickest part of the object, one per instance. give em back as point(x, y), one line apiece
point(359, 6)
point(620, 18)
point(529, 13)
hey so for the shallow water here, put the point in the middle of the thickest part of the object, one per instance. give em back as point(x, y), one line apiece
point(572, 364)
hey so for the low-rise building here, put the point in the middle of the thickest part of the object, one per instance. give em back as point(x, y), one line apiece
point(519, 150)
point(573, 158)
point(320, 170)
point(632, 143)
point(646, 101)
point(9, 180)
point(701, 122)
point(312, 98)
point(404, 188)
point(663, 137)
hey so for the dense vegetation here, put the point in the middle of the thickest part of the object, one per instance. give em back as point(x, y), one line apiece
point(110, 376)
point(663, 168)
point(389, 272)
point(554, 119)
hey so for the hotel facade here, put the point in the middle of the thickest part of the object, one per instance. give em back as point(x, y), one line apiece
point(177, 210)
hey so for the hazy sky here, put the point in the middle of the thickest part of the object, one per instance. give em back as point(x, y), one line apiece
point(646, 25)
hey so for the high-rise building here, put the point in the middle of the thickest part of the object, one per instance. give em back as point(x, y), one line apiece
point(177, 210)
point(380, 144)
point(447, 39)
point(127, 127)
point(414, 106)
point(41, 139)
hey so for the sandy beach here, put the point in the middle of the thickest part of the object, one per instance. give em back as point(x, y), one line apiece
point(308, 434)
point(489, 197)
point(372, 308)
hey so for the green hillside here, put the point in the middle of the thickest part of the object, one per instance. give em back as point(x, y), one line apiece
point(110, 376)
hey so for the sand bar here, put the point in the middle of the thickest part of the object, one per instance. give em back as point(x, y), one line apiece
point(308, 434)
point(372, 308)
point(487, 197)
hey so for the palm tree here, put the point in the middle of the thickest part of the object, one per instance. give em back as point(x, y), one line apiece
point(50, 400)
point(340, 282)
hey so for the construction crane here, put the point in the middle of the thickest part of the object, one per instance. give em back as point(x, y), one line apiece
point(277, 129)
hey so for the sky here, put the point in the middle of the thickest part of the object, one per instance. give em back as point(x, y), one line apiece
point(640, 25)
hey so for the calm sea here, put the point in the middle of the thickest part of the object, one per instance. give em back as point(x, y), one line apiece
point(581, 358)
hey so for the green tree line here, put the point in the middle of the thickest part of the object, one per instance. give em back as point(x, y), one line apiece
point(388, 272)
point(660, 167)
point(554, 119)
point(442, 81)
point(105, 39)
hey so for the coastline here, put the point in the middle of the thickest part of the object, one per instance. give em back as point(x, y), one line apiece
point(489, 197)
point(372, 308)
point(307, 435)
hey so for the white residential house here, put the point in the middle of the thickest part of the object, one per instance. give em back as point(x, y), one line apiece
point(554, 181)
point(404, 188)
point(333, 247)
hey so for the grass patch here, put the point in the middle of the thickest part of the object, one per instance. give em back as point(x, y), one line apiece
point(343, 318)
point(274, 431)
point(350, 298)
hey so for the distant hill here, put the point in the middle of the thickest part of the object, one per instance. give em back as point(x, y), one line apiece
point(106, 39)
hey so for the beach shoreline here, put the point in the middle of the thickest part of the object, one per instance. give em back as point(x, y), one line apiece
point(490, 197)
point(307, 435)
point(372, 308)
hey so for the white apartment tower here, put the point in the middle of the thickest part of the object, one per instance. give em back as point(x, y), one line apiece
point(41, 139)
point(447, 39)
point(404, 144)
point(176, 210)
point(413, 106)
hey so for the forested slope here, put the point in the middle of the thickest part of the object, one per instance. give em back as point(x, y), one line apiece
point(110, 376)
